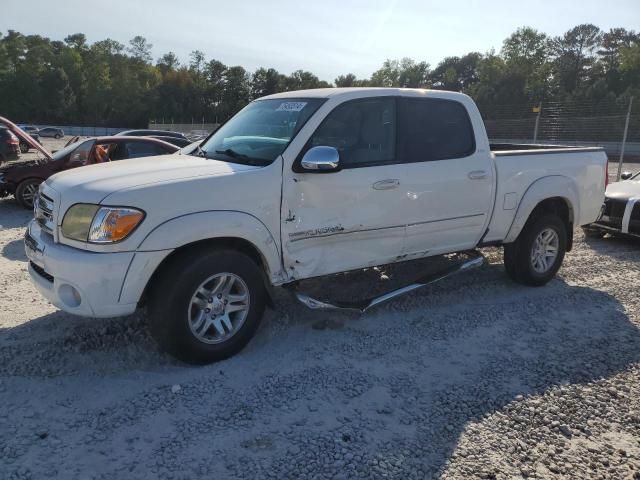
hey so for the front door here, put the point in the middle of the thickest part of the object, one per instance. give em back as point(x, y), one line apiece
point(338, 221)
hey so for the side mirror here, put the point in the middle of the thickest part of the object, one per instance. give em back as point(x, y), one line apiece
point(626, 175)
point(321, 160)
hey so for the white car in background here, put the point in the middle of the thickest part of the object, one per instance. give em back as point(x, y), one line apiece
point(621, 210)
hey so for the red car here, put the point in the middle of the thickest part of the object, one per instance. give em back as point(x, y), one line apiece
point(22, 179)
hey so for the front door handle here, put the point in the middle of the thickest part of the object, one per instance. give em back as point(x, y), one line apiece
point(477, 175)
point(386, 184)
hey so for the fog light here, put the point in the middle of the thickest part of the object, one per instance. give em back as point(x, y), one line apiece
point(69, 295)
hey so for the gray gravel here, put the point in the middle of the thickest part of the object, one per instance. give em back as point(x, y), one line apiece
point(475, 377)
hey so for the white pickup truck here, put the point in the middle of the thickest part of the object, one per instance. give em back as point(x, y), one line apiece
point(299, 185)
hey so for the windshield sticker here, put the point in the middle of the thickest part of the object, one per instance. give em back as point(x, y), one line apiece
point(291, 106)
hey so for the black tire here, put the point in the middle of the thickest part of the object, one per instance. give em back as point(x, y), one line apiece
point(24, 147)
point(170, 301)
point(57, 136)
point(23, 190)
point(518, 255)
point(593, 232)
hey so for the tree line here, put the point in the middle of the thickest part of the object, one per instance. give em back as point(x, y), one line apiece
point(109, 84)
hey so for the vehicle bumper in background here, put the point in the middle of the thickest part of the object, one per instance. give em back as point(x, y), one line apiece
point(76, 281)
point(619, 216)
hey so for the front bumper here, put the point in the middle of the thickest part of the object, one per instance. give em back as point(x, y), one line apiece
point(77, 281)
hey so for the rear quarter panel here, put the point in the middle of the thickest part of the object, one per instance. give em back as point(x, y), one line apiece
point(576, 176)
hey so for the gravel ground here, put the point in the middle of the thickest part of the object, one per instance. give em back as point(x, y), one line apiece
point(474, 377)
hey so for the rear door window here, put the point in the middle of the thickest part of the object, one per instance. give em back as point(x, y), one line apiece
point(433, 129)
point(142, 149)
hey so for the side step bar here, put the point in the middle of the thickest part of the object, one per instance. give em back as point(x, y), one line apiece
point(361, 306)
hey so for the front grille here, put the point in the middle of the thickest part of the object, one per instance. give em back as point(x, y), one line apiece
point(40, 271)
point(613, 212)
point(44, 212)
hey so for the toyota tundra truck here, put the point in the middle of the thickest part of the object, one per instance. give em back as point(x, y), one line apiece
point(299, 185)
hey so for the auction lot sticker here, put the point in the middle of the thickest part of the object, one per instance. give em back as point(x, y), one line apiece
point(291, 106)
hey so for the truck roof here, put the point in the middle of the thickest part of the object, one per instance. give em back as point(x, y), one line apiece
point(357, 92)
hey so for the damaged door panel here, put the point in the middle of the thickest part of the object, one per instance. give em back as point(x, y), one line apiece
point(349, 210)
point(339, 220)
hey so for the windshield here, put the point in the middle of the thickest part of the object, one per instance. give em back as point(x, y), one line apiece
point(67, 150)
point(259, 132)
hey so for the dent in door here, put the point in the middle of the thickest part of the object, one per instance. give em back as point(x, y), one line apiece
point(337, 222)
point(311, 252)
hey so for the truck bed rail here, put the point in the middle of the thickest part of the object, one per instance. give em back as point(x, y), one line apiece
point(509, 149)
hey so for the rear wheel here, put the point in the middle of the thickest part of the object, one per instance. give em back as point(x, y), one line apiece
point(24, 147)
point(26, 192)
point(537, 254)
point(57, 136)
point(206, 304)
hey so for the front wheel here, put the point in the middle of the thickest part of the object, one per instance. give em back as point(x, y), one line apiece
point(26, 192)
point(57, 136)
point(536, 255)
point(24, 147)
point(206, 304)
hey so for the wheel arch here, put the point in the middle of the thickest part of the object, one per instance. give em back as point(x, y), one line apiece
point(211, 229)
point(553, 194)
point(233, 243)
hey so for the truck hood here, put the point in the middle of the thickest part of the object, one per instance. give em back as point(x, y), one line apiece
point(624, 190)
point(92, 183)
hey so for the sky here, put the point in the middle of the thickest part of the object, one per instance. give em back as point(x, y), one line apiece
point(326, 37)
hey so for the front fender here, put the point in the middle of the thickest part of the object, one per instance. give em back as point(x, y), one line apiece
point(555, 186)
point(195, 227)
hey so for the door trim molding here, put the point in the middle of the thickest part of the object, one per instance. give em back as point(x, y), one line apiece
point(339, 230)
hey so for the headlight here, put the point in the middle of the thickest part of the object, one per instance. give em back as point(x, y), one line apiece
point(96, 224)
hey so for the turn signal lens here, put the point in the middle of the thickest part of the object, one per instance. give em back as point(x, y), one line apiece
point(112, 224)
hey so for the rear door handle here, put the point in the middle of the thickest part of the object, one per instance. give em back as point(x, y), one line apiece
point(477, 175)
point(386, 184)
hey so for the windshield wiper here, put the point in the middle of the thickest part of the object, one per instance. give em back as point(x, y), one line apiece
point(242, 158)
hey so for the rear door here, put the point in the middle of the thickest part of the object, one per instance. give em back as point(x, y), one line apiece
point(448, 180)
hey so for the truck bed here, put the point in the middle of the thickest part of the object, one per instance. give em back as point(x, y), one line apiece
point(519, 166)
point(503, 149)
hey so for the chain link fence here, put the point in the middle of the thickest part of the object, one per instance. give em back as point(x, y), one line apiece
point(613, 125)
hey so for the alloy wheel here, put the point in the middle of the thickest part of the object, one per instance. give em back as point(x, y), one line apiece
point(218, 308)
